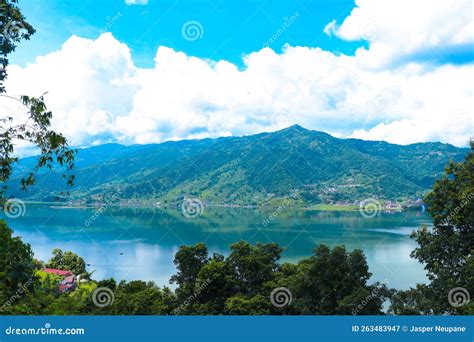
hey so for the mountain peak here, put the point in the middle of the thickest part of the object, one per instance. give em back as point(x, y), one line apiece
point(298, 130)
point(295, 128)
point(321, 167)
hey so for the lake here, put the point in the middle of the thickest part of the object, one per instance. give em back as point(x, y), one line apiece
point(129, 244)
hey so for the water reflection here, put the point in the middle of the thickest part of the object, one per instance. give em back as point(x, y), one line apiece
point(141, 243)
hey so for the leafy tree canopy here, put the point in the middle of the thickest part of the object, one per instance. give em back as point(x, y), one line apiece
point(35, 127)
point(447, 250)
point(67, 261)
point(16, 265)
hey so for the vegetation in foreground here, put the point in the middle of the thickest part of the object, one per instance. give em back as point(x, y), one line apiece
point(331, 282)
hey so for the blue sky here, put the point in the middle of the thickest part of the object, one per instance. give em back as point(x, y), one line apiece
point(392, 70)
point(231, 28)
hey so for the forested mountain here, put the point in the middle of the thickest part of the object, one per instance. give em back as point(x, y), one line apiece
point(256, 169)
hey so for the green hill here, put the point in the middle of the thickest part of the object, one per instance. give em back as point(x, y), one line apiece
point(251, 170)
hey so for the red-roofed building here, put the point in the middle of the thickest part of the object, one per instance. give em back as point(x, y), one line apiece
point(69, 281)
point(67, 287)
point(58, 272)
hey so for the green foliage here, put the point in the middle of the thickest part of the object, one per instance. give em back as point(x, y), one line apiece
point(140, 298)
point(215, 284)
point(16, 267)
point(415, 301)
point(188, 261)
point(53, 147)
point(335, 282)
point(242, 305)
point(13, 29)
point(252, 266)
point(330, 282)
point(447, 251)
point(67, 261)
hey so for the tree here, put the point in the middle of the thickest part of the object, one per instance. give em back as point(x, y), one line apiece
point(188, 261)
point(135, 297)
point(242, 305)
point(414, 301)
point(253, 265)
point(67, 261)
point(13, 29)
point(16, 266)
point(447, 251)
point(53, 147)
point(335, 282)
point(141, 298)
point(206, 284)
point(214, 285)
point(330, 282)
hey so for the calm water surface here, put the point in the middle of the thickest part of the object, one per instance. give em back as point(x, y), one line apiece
point(141, 243)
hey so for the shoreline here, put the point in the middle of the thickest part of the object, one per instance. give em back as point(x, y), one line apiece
point(312, 207)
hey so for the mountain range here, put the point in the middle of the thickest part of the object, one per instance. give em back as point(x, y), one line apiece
point(249, 170)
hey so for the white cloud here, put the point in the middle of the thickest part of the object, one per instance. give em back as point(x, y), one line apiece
point(401, 28)
point(84, 84)
point(98, 95)
point(136, 2)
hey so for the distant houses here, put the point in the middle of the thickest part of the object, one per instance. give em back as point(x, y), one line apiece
point(389, 205)
point(69, 282)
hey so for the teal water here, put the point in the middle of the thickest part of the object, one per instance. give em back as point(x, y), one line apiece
point(141, 243)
